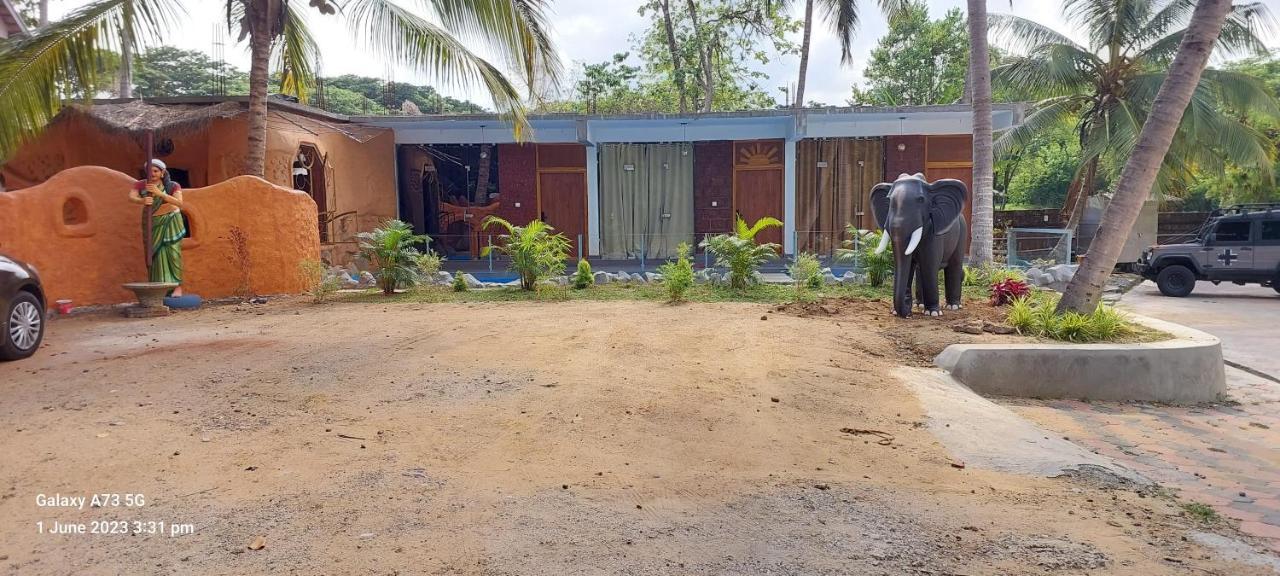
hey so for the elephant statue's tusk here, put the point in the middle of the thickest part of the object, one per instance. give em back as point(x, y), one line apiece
point(884, 242)
point(915, 241)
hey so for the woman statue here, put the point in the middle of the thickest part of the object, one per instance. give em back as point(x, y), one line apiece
point(163, 197)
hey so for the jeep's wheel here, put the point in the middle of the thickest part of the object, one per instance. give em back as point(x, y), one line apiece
point(1176, 280)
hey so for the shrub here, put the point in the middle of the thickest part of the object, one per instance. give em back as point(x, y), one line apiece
point(1034, 315)
point(460, 284)
point(319, 283)
point(534, 250)
point(583, 278)
point(677, 275)
point(428, 264)
point(806, 271)
point(739, 252)
point(990, 273)
point(860, 251)
point(1006, 291)
point(390, 248)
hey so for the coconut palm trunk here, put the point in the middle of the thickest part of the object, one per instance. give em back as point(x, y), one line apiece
point(1139, 174)
point(804, 53)
point(983, 159)
point(255, 158)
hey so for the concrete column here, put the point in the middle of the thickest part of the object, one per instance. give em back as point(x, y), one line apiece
point(789, 197)
point(593, 200)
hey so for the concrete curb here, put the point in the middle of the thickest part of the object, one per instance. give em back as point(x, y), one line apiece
point(1186, 369)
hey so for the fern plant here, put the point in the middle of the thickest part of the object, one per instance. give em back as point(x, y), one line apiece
point(739, 252)
point(390, 248)
point(535, 250)
point(583, 279)
point(677, 275)
point(860, 250)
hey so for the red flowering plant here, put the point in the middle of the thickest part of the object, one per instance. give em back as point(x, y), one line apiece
point(1006, 291)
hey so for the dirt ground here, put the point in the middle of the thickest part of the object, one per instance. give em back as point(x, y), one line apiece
point(531, 438)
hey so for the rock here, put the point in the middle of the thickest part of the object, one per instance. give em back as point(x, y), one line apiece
point(348, 281)
point(367, 279)
point(996, 328)
point(1062, 272)
point(651, 277)
point(638, 278)
point(702, 276)
point(971, 327)
point(851, 279)
point(471, 281)
point(601, 277)
point(623, 276)
point(258, 543)
point(443, 278)
point(828, 278)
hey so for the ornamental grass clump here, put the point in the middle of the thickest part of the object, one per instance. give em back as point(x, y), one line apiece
point(390, 248)
point(677, 275)
point(535, 249)
point(739, 253)
point(1034, 316)
point(319, 282)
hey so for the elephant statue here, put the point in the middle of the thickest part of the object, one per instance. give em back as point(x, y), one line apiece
point(926, 223)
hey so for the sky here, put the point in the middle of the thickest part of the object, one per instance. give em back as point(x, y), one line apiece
point(591, 31)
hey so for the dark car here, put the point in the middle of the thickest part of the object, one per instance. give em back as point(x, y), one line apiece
point(23, 305)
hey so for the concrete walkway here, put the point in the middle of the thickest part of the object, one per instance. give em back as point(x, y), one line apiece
point(1224, 455)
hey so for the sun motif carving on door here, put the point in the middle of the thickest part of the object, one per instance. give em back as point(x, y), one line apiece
point(758, 154)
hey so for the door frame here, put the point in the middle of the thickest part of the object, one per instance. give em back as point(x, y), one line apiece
point(733, 158)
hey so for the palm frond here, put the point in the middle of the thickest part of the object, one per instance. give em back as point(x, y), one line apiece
point(1048, 114)
point(1240, 92)
point(296, 53)
point(518, 30)
point(405, 38)
point(842, 15)
point(1242, 34)
point(1050, 70)
point(36, 71)
point(1021, 35)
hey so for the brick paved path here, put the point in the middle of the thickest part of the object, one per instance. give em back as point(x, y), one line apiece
point(1226, 455)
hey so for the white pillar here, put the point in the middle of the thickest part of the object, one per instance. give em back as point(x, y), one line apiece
point(593, 201)
point(789, 197)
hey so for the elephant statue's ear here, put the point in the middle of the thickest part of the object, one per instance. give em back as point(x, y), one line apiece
point(946, 199)
point(880, 203)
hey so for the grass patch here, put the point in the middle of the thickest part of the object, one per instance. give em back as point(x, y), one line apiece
point(766, 293)
point(1201, 512)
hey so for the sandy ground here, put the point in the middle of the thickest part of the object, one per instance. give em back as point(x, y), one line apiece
point(530, 438)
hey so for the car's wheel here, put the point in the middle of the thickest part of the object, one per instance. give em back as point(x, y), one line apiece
point(23, 327)
point(1176, 280)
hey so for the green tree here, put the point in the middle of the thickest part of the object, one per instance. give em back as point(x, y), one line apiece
point(169, 71)
point(382, 97)
point(1236, 184)
point(1211, 23)
point(842, 16)
point(918, 61)
point(713, 43)
point(32, 70)
point(1110, 86)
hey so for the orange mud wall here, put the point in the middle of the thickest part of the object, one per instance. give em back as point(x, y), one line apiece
point(360, 174)
point(85, 238)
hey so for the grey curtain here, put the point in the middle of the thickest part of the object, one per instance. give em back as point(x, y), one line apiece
point(668, 217)
point(646, 199)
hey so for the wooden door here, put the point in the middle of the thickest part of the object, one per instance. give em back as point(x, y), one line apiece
point(951, 156)
point(562, 190)
point(563, 204)
point(758, 184)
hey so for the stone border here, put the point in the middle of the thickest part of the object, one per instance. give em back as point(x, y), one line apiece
point(1186, 369)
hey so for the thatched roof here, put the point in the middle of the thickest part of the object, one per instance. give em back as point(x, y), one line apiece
point(137, 118)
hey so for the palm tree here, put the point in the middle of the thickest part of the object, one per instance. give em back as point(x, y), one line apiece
point(1108, 87)
point(739, 251)
point(980, 249)
point(35, 70)
point(1209, 25)
point(536, 249)
point(842, 16)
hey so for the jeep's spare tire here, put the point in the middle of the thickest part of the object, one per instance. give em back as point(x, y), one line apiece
point(1176, 280)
